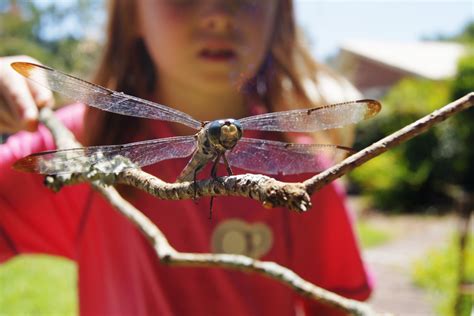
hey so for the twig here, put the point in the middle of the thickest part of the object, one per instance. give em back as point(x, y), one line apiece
point(400, 136)
point(271, 192)
point(168, 255)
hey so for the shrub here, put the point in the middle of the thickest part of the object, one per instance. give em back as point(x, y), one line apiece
point(417, 174)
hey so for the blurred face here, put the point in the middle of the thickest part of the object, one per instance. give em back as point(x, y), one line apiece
point(207, 44)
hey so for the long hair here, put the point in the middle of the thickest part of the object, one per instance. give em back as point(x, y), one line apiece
point(287, 79)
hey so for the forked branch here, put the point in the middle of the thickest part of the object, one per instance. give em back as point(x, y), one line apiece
point(267, 190)
point(168, 255)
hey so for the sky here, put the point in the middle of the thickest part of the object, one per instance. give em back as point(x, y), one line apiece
point(330, 23)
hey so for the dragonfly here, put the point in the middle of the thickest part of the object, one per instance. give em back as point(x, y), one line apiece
point(215, 141)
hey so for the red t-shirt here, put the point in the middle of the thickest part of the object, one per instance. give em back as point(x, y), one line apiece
point(119, 273)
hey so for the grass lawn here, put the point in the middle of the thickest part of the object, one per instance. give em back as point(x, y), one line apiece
point(371, 236)
point(38, 285)
point(437, 273)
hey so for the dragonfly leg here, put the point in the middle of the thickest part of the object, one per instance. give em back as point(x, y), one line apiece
point(227, 165)
point(214, 178)
point(214, 167)
point(211, 203)
point(195, 186)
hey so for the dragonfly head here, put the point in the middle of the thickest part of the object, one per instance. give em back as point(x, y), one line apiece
point(225, 133)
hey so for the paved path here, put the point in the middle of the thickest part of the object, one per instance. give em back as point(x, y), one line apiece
point(391, 263)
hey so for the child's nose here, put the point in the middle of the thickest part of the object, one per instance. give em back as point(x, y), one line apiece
point(219, 16)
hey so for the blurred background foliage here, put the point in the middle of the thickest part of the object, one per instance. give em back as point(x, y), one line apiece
point(439, 276)
point(43, 30)
point(419, 175)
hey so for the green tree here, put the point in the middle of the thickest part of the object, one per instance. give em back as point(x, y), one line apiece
point(28, 28)
point(419, 174)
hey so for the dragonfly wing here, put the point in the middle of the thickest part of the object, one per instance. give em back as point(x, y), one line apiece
point(79, 160)
point(311, 120)
point(100, 97)
point(273, 157)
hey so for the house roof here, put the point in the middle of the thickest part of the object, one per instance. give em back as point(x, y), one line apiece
point(432, 60)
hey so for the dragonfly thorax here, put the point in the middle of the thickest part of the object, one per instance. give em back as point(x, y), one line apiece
point(224, 133)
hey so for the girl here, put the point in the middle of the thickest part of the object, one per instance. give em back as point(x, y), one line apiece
point(211, 59)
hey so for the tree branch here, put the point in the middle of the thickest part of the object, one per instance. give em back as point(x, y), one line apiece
point(394, 139)
point(168, 255)
point(270, 192)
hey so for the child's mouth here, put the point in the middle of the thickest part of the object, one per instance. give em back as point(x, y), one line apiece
point(217, 54)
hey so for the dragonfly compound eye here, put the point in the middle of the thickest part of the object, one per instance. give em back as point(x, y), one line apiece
point(229, 131)
point(214, 131)
point(234, 127)
point(225, 133)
